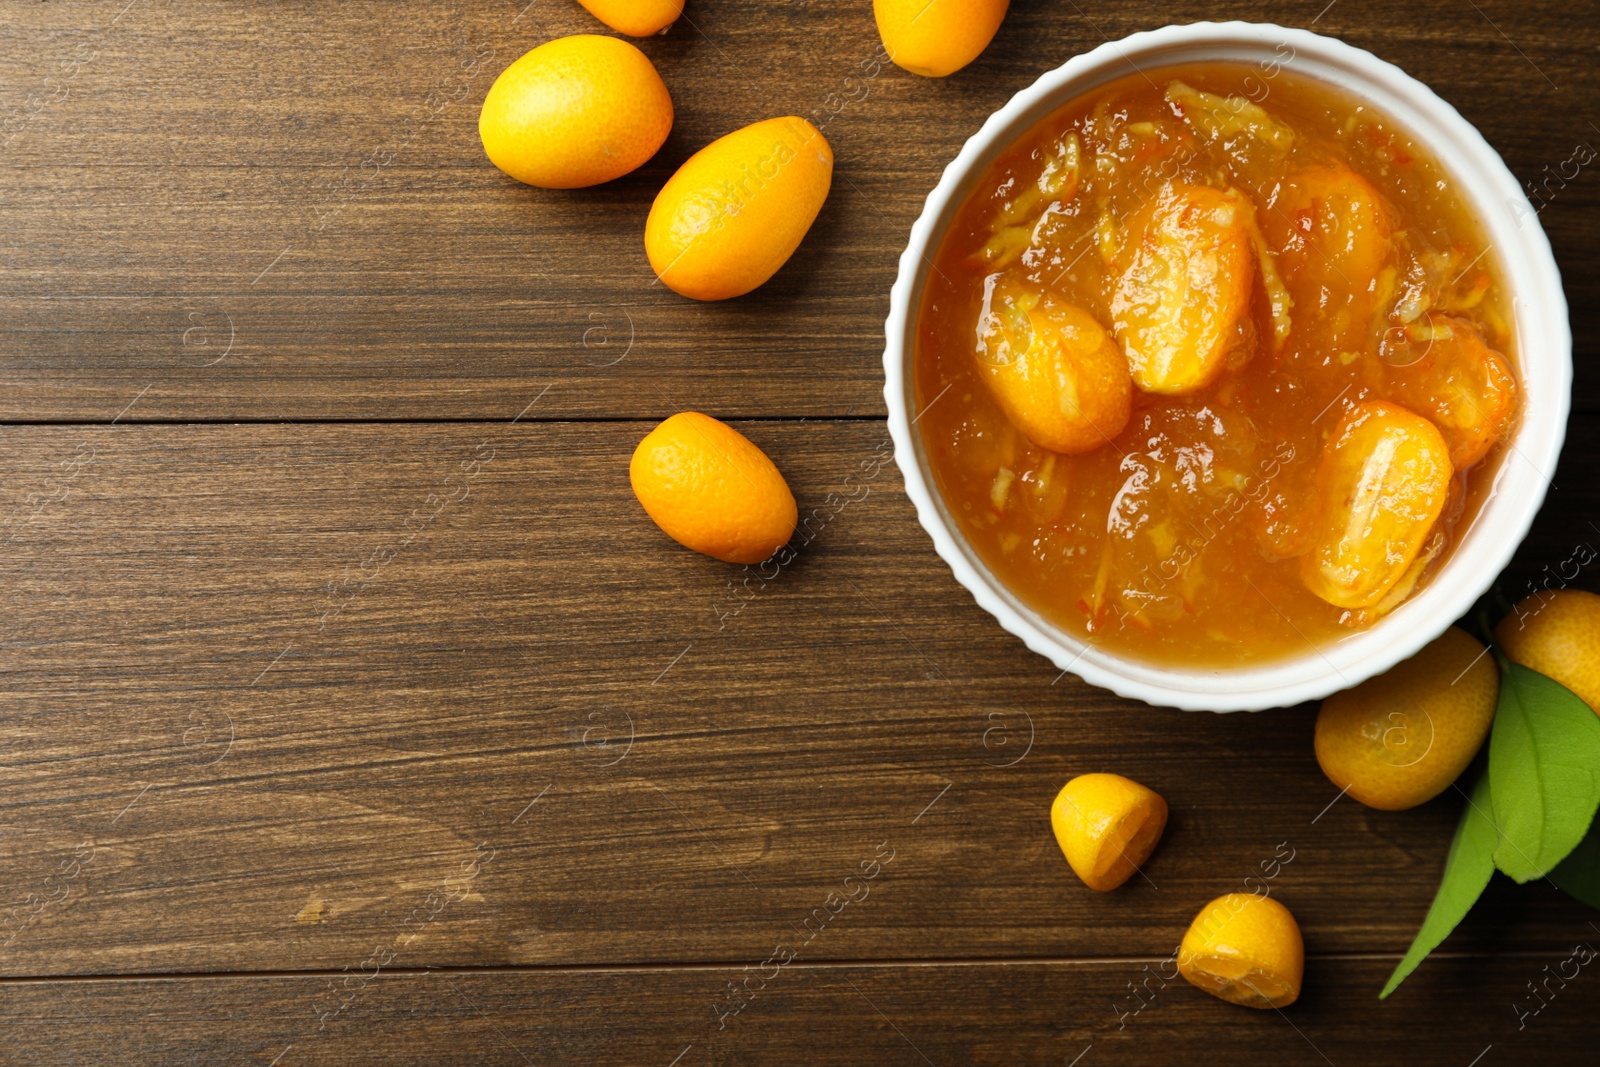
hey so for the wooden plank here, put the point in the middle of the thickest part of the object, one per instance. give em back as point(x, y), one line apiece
point(1455, 1011)
point(270, 691)
point(194, 231)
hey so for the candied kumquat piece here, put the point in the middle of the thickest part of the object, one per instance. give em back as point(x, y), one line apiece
point(1178, 305)
point(1107, 825)
point(1330, 223)
point(1246, 949)
point(1054, 370)
point(1445, 370)
point(1332, 231)
point(1381, 482)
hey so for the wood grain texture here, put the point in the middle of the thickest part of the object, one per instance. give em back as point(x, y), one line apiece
point(305, 191)
point(996, 1015)
point(280, 726)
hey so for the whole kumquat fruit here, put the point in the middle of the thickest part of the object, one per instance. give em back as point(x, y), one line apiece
point(1401, 738)
point(1107, 826)
point(738, 208)
point(1246, 949)
point(934, 38)
point(636, 18)
point(712, 490)
point(575, 111)
point(1557, 634)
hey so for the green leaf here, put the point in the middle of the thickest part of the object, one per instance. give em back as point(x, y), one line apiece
point(1544, 771)
point(1467, 870)
point(1579, 873)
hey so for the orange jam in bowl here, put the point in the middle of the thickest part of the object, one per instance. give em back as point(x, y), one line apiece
point(1211, 369)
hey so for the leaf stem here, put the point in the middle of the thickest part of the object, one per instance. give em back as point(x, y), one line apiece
point(1502, 603)
point(1477, 621)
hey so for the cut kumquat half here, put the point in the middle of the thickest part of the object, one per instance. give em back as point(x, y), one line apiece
point(1107, 826)
point(1245, 949)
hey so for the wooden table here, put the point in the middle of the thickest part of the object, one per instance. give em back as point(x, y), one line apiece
point(353, 711)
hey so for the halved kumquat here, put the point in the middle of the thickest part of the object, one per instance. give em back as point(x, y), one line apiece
point(1246, 949)
point(1107, 826)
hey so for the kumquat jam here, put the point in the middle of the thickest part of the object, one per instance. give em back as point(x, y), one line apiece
point(1213, 365)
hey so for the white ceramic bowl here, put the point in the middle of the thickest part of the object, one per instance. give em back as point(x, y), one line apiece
point(1544, 349)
